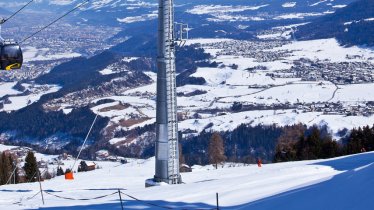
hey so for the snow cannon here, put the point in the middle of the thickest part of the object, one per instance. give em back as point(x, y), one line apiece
point(69, 175)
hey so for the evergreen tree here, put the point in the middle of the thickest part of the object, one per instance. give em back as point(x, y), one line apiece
point(6, 168)
point(366, 137)
point(318, 144)
point(310, 147)
point(371, 140)
point(330, 149)
point(314, 144)
point(67, 171)
point(31, 167)
point(216, 150)
point(355, 141)
point(60, 172)
point(361, 139)
point(82, 166)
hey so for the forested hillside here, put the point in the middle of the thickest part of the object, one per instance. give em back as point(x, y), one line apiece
point(352, 25)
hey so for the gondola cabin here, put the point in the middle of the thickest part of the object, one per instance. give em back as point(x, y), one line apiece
point(11, 55)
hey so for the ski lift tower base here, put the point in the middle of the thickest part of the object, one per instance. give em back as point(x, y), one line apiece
point(153, 183)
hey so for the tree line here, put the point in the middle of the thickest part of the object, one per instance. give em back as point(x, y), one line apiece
point(11, 173)
point(246, 144)
point(300, 143)
point(358, 32)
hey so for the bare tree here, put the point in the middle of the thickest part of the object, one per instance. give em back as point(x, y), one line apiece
point(181, 156)
point(216, 150)
point(285, 149)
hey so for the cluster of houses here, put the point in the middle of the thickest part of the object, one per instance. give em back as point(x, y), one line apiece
point(340, 73)
point(60, 39)
point(31, 70)
point(84, 97)
point(104, 155)
point(259, 50)
point(337, 108)
point(54, 163)
point(327, 108)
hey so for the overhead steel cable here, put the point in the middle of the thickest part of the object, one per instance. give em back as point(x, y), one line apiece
point(15, 13)
point(85, 140)
point(53, 22)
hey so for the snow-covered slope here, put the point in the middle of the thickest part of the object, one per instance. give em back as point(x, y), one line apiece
point(225, 86)
point(335, 184)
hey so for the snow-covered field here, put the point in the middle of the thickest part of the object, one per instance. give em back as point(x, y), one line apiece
point(297, 15)
point(211, 9)
point(225, 85)
point(326, 49)
point(335, 184)
point(230, 121)
point(289, 4)
point(140, 18)
point(222, 13)
point(16, 102)
point(45, 54)
point(7, 89)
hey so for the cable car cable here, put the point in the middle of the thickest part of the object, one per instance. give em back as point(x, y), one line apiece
point(5, 20)
point(53, 22)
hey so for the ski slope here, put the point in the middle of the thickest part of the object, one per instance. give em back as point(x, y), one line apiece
point(340, 183)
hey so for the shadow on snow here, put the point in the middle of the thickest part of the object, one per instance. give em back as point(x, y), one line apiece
point(351, 190)
point(132, 204)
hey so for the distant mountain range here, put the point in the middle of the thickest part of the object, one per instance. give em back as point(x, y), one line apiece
point(220, 18)
point(351, 25)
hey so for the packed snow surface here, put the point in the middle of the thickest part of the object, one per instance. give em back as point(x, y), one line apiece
point(209, 9)
point(289, 4)
point(17, 102)
point(297, 15)
point(334, 184)
point(221, 13)
point(140, 18)
point(7, 89)
point(45, 54)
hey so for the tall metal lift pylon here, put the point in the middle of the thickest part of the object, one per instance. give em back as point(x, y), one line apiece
point(167, 154)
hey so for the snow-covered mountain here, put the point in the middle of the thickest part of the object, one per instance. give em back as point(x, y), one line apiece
point(351, 25)
point(237, 12)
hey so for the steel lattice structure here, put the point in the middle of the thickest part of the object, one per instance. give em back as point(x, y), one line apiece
point(167, 155)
